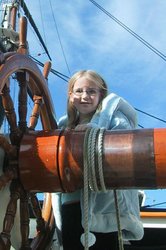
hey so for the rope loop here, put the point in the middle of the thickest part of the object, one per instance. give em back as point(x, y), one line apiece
point(93, 171)
point(94, 177)
point(93, 154)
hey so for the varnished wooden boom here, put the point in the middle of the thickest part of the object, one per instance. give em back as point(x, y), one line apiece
point(52, 161)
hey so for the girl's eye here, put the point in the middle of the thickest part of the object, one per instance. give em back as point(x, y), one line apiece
point(78, 91)
point(92, 91)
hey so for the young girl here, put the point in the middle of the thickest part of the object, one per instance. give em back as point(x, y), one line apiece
point(89, 105)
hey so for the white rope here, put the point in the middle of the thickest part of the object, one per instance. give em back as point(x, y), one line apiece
point(100, 160)
point(120, 238)
point(93, 171)
point(91, 159)
point(85, 191)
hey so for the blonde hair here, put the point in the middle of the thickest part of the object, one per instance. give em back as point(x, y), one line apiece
point(92, 76)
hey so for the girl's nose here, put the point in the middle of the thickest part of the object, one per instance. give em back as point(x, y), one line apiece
point(85, 94)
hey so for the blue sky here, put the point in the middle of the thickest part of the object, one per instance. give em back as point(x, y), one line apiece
point(91, 40)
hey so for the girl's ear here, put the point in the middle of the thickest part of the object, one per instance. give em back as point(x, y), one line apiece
point(101, 96)
point(70, 97)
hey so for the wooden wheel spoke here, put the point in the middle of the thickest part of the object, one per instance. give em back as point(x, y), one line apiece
point(22, 78)
point(10, 115)
point(38, 213)
point(25, 219)
point(38, 101)
point(9, 108)
point(10, 214)
point(9, 171)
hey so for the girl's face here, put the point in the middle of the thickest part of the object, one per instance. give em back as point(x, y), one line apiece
point(85, 96)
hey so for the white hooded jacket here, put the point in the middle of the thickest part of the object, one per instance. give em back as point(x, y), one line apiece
point(115, 113)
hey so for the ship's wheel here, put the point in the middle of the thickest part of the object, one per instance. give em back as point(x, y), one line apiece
point(32, 84)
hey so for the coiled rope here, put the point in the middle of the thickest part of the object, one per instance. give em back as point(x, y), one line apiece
point(94, 177)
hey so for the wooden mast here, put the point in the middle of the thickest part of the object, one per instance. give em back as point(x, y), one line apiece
point(131, 159)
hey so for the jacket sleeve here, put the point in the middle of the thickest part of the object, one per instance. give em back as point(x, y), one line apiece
point(62, 122)
point(116, 113)
point(120, 121)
